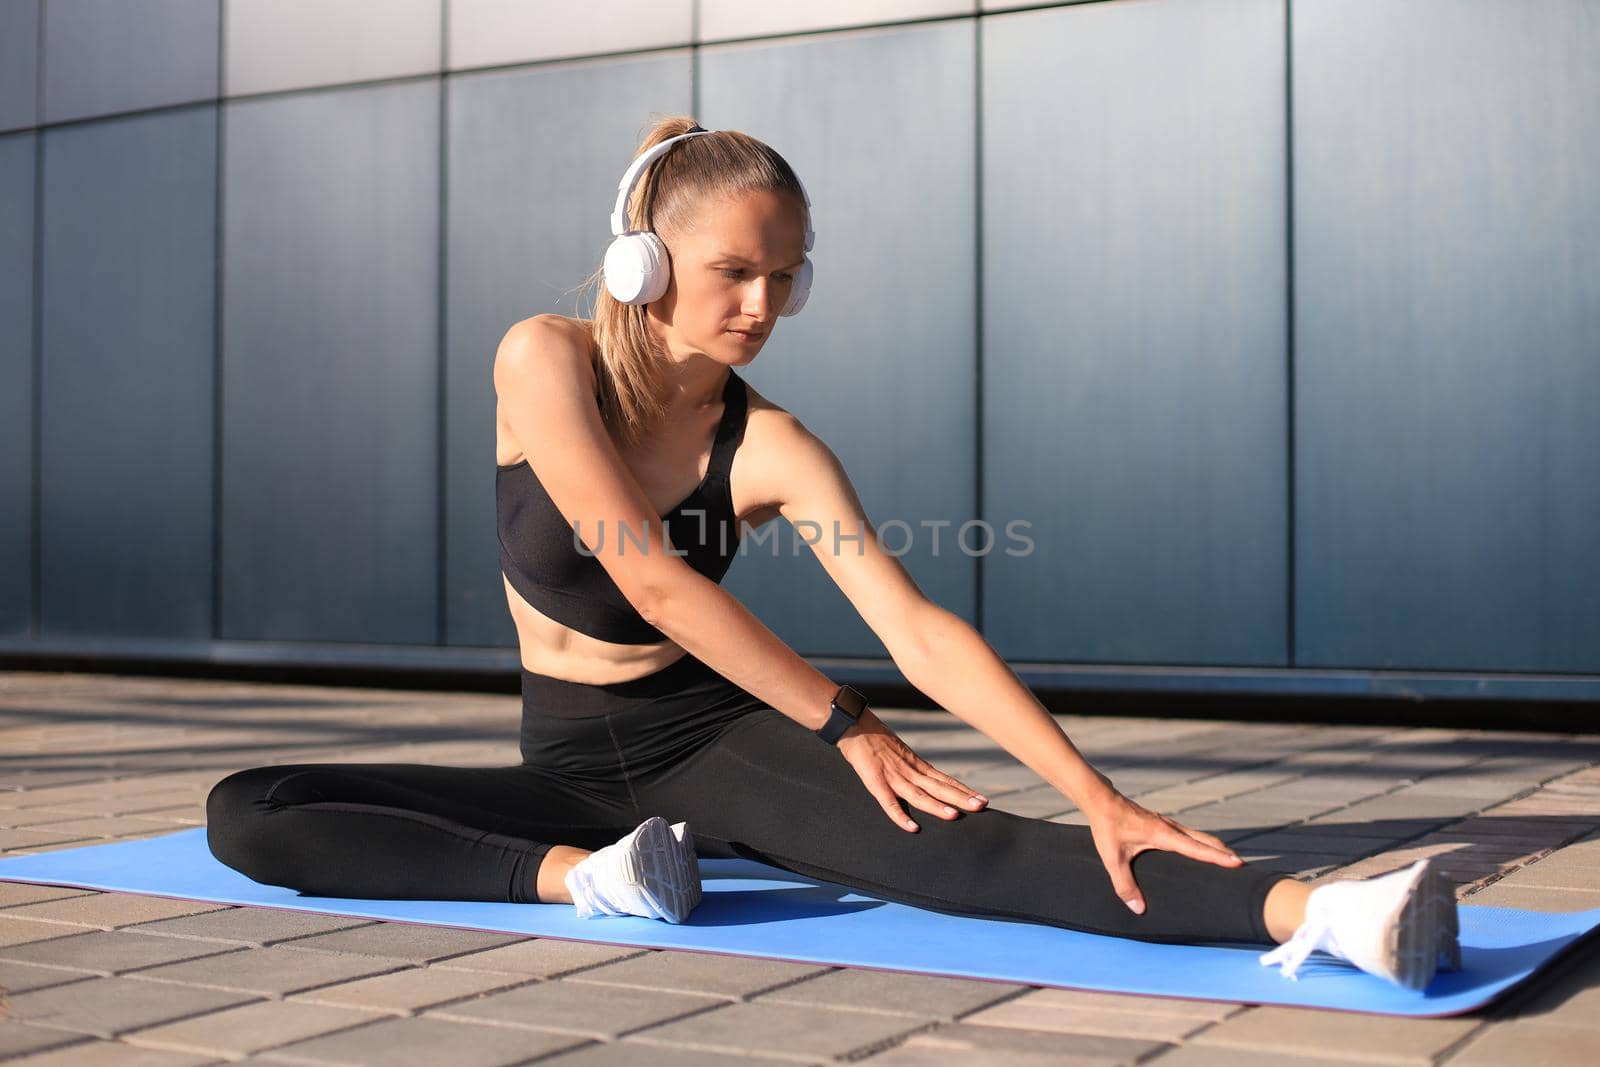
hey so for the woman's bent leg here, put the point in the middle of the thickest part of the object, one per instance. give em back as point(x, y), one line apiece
point(770, 789)
point(403, 830)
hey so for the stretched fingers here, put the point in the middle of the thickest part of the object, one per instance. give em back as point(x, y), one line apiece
point(922, 798)
point(1210, 839)
point(884, 792)
point(946, 791)
point(1181, 839)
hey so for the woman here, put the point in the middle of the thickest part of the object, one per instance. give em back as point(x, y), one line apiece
point(651, 694)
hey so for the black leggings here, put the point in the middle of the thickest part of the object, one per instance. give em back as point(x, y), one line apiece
point(689, 745)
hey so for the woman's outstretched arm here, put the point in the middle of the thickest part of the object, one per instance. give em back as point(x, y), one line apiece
point(944, 657)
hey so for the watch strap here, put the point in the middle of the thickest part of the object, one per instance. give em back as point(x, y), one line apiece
point(844, 711)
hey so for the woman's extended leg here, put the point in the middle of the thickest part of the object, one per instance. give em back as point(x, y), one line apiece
point(409, 830)
point(769, 788)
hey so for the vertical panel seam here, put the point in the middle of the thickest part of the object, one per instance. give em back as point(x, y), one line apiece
point(36, 344)
point(441, 495)
point(1289, 317)
point(217, 308)
point(977, 309)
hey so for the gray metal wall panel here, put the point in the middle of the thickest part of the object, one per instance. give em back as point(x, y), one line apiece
point(19, 58)
point(1447, 258)
point(489, 32)
point(534, 160)
point(880, 363)
point(1134, 332)
point(127, 329)
point(16, 383)
point(104, 56)
point(330, 356)
point(274, 45)
point(721, 20)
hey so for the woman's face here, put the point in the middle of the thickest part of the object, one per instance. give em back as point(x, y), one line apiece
point(732, 273)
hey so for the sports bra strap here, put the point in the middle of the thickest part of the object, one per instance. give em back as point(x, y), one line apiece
point(729, 430)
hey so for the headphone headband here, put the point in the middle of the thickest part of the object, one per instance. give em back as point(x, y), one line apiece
point(619, 213)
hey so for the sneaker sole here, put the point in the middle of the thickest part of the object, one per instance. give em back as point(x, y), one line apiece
point(1450, 940)
point(665, 869)
point(1424, 930)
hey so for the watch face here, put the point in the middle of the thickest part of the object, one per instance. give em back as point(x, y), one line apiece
point(851, 700)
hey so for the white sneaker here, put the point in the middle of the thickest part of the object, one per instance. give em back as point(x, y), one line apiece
point(652, 872)
point(1402, 926)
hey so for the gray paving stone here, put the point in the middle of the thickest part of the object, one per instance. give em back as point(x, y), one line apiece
point(963, 1043)
point(1372, 822)
point(109, 952)
point(23, 931)
point(33, 818)
point(424, 1042)
point(925, 1056)
point(1567, 993)
point(1527, 1044)
point(107, 911)
point(1311, 1031)
point(1105, 1014)
point(275, 971)
point(101, 826)
point(1283, 801)
point(544, 957)
point(189, 813)
point(1038, 803)
point(1206, 1056)
point(699, 972)
point(1532, 831)
point(921, 995)
point(1570, 867)
point(1467, 783)
point(1173, 799)
point(108, 1007)
point(1334, 785)
point(23, 840)
point(578, 1008)
point(250, 926)
point(21, 977)
point(235, 1032)
point(402, 992)
point(414, 942)
point(1536, 898)
point(94, 1052)
point(1549, 805)
point(15, 893)
point(790, 1031)
point(625, 1054)
point(1309, 840)
point(20, 1039)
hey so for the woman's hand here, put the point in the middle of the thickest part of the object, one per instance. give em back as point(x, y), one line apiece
point(1123, 829)
point(891, 771)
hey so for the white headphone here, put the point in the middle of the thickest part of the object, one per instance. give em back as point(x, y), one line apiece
point(636, 267)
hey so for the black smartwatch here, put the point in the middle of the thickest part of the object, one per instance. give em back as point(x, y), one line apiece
point(845, 708)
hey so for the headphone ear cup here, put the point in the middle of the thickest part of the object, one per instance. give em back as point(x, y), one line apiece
point(636, 268)
point(799, 291)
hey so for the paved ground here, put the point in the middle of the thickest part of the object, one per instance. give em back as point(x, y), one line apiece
point(91, 978)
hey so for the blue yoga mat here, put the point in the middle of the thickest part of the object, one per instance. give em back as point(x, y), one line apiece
point(751, 909)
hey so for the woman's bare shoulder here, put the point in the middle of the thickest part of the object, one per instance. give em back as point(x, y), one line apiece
point(547, 336)
point(765, 455)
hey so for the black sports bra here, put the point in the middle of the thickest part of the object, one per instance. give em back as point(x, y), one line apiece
point(541, 561)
